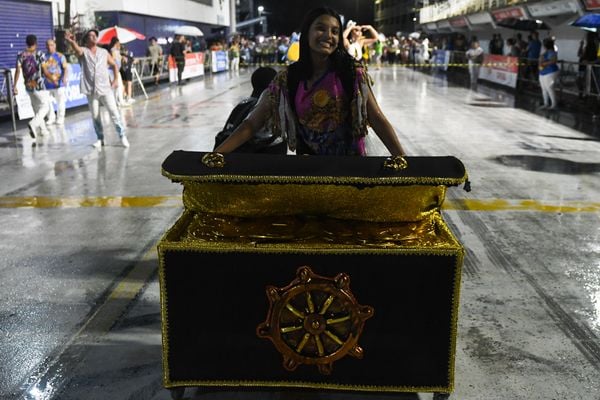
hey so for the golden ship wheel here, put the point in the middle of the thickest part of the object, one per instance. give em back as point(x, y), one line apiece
point(314, 320)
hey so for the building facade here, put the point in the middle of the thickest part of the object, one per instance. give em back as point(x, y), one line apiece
point(393, 16)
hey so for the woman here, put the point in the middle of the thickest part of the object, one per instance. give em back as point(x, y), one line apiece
point(114, 48)
point(355, 41)
point(127, 61)
point(321, 103)
point(548, 74)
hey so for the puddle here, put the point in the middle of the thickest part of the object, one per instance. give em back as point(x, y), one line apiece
point(548, 164)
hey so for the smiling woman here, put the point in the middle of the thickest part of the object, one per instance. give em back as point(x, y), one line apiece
point(323, 103)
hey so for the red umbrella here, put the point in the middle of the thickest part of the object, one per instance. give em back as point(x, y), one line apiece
point(125, 35)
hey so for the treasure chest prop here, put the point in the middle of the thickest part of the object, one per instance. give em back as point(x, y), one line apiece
point(322, 273)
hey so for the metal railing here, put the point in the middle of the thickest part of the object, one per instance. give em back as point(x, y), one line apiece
point(9, 96)
point(144, 65)
point(576, 79)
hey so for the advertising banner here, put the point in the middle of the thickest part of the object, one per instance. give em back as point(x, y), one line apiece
point(220, 61)
point(592, 4)
point(513, 12)
point(74, 96)
point(441, 59)
point(503, 70)
point(194, 66)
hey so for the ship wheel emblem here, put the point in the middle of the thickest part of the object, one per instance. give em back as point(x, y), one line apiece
point(314, 320)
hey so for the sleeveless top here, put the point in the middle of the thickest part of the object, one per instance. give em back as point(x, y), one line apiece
point(326, 119)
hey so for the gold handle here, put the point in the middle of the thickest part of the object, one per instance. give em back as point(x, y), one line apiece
point(396, 163)
point(213, 160)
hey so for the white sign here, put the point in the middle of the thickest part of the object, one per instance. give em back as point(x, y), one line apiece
point(553, 8)
point(480, 18)
point(22, 100)
point(503, 70)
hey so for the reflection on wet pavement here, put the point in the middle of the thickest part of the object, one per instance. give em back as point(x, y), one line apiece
point(548, 164)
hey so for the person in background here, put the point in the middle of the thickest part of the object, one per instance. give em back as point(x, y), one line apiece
point(323, 103)
point(263, 141)
point(178, 53)
point(548, 74)
point(127, 61)
point(155, 52)
point(378, 54)
point(115, 51)
point(31, 63)
point(355, 41)
point(96, 84)
point(475, 59)
point(511, 48)
point(588, 54)
point(534, 47)
point(234, 54)
point(55, 83)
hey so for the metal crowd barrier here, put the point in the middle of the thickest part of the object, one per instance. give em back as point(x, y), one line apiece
point(575, 79)
point(10, 99)
point(143, 65)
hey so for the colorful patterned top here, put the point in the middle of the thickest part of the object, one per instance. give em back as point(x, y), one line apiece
point(31, 67)
point(55, 65)
point(327, 120)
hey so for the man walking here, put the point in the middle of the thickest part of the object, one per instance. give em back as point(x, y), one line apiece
point(155, 53)
point(95, 83)
point(178, 54)
point(56, 82)
point(30, 63)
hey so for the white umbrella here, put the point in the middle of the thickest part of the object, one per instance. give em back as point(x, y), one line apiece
point(188, 30)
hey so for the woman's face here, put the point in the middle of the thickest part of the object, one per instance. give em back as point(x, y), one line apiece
point(323, 35)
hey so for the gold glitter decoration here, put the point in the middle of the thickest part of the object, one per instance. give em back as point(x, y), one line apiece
point(321, 98)
point(372, 203)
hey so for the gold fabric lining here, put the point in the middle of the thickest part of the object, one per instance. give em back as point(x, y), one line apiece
point(374, 203)
point(316, 231)
point(311, 385)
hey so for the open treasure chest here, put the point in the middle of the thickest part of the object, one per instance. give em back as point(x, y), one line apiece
point(326, 273)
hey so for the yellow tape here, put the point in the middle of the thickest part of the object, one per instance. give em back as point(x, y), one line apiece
point(416, 65)
point(486, 205)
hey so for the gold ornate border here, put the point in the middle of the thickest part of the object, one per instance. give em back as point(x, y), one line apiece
point(331, 180)
point(166, 244)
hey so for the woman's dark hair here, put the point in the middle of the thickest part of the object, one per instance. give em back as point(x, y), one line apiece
point(341, 62)
point(113, 41)
point(549, 43)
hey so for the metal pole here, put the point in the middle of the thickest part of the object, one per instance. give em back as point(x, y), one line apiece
point(9, 96)
point(232, 16)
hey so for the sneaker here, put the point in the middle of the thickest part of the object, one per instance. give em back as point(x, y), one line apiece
point(31, 130)
point(131, 101)
point(124, 141)
point(44, 132)
point(98, 144)
point(60, 122)
point(51, 121)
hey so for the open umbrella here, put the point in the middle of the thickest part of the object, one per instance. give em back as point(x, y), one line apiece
point(188, 30)
point(523, 24)
point(588, 21)
point(125, 35)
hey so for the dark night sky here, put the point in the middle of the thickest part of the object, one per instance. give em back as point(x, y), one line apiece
point(286, 16)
